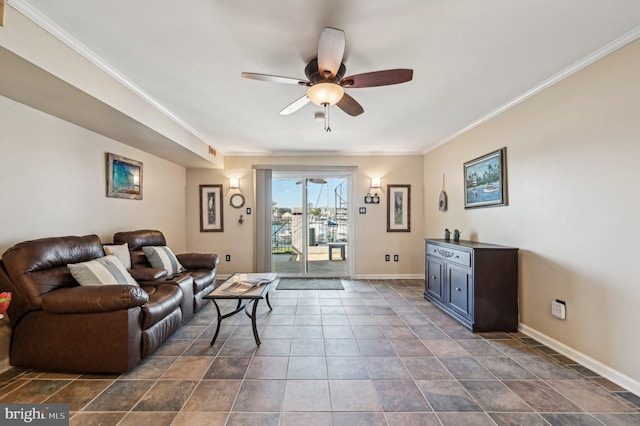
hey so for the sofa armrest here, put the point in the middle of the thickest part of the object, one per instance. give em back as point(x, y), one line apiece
point(91, 299)
point(147, 274)
point(199, 260)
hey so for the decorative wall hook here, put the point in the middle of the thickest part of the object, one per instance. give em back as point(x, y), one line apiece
point(442, 200)
point(241, 220)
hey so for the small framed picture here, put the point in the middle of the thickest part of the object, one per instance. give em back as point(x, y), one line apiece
point(398, 208)
point(124, 177)
point(485, 181)
point(211, 215)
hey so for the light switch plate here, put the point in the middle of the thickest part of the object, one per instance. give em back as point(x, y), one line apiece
point(558, 310)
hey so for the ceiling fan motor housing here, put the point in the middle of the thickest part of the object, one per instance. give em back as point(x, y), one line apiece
point(315, 76)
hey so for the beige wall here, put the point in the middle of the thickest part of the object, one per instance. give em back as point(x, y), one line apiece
point(52, 183)
point(372, 241)
point(572, 154)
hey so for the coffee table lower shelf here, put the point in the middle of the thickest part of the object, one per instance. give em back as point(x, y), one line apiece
point(244, 301)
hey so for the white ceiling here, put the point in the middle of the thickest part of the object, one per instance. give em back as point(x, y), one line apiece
point(471, 59)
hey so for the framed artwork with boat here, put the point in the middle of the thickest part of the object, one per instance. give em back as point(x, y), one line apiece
point(485, 180)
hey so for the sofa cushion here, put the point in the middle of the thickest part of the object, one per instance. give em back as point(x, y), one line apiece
point(202, 279)
point(140, 238)
point(162, 257)
point(163, 299)
point(121, 251)
point(105, 270)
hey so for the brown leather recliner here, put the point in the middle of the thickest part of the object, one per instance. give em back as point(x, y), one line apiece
point(58, 324)
point(200, 266)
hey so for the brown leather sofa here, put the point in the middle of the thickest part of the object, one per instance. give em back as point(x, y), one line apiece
point(200, 266)
point(58, 324)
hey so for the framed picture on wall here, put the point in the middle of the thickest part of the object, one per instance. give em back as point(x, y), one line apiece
point(211, 218)
point(485, 181)
point(124, 177)
point(398, 208)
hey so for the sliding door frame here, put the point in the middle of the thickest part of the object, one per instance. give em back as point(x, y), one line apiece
point(264, 202)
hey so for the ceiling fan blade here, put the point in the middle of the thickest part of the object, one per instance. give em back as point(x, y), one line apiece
point(350, 106)
point(330, 51)
point(296, 105)
point(274, 78)
point(378, 78)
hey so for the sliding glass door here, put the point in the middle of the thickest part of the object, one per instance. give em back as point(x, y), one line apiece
point(310, 229)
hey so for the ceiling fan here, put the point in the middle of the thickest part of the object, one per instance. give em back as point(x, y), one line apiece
point(326, 81)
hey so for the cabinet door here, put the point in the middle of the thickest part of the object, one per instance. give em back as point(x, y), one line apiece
point(460, 290)
point(433, 278)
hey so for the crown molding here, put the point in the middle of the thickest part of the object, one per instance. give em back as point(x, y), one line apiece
point(52, 28)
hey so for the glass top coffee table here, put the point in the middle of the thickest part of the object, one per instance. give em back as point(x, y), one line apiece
point(245, 288)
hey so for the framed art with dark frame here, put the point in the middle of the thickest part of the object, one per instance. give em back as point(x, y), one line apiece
point(124, 177)
point(398, 208)
point(485, 180)
point(211, 214)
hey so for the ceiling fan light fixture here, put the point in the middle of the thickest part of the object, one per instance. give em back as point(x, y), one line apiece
point(325, 93)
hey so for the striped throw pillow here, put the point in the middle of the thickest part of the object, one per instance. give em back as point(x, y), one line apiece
point(120, 251)
point(162, 257)
point(106, 270)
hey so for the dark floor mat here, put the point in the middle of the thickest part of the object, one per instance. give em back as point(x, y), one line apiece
point(309, 284)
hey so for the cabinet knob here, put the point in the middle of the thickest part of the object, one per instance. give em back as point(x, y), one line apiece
point(458, 289)
point(433, 277)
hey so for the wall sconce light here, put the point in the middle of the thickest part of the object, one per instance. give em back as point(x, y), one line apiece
point(375, 183)
point(375, 187)
point(234, 183)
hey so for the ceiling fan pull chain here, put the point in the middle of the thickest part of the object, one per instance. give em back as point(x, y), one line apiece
point(326, 117)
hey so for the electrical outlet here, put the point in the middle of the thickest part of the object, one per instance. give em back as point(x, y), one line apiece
point(559, 309)
point(228, 258)
point(396, 258)
point(387, 258)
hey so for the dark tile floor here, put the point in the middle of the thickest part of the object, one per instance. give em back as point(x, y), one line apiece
point(376, 353)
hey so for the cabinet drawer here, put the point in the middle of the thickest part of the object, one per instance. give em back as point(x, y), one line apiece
point(451, 255)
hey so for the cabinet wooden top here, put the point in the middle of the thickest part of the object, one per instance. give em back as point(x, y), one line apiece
point(468, 244)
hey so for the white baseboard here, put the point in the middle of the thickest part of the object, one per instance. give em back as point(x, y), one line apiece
point(4, 365)
point(596, 366)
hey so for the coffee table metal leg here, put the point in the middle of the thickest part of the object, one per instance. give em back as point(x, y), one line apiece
point(215, 336)
point(253, 321)
point(268, 303)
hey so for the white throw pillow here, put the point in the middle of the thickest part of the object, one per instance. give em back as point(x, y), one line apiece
point(162, 257)
point(106, 270)
point(120, 251)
